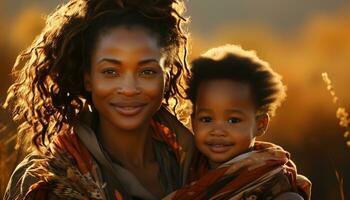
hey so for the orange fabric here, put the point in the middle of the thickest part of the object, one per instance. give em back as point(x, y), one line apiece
point(70, 146)
point(163, 133)
point(248, 176)
point(118, 196)
point(197, 190)
point(76, 148)
point(265, 158)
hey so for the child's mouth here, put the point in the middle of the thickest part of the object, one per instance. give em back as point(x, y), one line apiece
point(219, 148)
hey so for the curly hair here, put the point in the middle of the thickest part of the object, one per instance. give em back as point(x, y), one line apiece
point(231, 62)
point(48, 95)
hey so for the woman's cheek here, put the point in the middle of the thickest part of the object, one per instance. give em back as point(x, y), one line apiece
point(153, 88)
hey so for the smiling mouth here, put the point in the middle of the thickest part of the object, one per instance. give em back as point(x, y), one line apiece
point(128, 110)
point(219, 147)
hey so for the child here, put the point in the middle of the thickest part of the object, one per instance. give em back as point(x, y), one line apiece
point(234, 93)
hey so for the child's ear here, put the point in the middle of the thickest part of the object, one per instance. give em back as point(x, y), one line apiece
point(87, 81)
point(262, 122)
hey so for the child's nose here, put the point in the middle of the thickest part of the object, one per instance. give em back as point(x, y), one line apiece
point(218, 131)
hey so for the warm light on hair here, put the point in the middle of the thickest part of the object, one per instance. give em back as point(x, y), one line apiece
point(234, 63)
point(48, 95)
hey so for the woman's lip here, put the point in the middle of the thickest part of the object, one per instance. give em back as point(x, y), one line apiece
point(219, 148)
point(127, 104)
point(128, 110)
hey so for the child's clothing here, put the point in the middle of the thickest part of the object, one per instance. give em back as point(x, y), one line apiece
point(263, 173)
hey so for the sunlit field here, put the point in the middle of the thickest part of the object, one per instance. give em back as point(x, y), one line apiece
point(309, 124)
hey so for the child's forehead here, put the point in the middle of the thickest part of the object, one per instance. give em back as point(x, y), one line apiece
point(225, 92)
point(225, 86)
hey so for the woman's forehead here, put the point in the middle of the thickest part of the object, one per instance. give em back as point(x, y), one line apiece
point(129, 33)
point(122, 39)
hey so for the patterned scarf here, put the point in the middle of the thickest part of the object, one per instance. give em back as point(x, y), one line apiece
point(263, 173)
point(69, 171)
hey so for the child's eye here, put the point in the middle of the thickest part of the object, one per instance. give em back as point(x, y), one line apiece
point(110, 72)
point(148, 72)
point(234, 120)
point(205, 119)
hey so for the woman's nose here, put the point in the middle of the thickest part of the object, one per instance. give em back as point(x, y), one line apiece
point(128, 86)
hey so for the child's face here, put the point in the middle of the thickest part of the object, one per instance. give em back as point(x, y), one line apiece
point(224, 120)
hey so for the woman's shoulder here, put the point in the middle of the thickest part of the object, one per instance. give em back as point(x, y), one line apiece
point(184, 139)
point(183, 134)
point(66, 165)
point(21, 178)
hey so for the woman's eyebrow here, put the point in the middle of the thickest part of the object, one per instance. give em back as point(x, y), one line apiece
point(118, 62)
point(110, 60)
point(146, 61)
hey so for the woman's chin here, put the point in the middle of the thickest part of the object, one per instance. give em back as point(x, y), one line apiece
point(130, 123)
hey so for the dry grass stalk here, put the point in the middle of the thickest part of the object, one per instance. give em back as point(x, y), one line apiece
point(341, 113)
point(344, 122)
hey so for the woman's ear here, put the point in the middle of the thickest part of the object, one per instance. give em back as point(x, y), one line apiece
point(87, 81)
point(262, 122)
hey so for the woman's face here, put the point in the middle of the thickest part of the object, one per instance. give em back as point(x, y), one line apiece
point(126, 79)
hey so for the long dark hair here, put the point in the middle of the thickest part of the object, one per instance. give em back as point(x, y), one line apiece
point(48, 95)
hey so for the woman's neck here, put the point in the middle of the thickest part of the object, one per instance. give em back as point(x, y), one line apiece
point(132, 148)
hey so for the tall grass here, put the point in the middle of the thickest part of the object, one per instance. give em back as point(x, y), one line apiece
point(341, 112)
point(344, 122)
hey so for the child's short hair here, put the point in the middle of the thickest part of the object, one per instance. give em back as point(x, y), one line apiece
point(234, 63)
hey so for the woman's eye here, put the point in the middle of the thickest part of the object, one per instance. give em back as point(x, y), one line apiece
point(205, 119)
point(234, 120)
point(110, 72)
point(148, 72)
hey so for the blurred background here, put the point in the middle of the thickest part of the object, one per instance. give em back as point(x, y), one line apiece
point(300, 39)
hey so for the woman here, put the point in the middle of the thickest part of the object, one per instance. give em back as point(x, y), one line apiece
point(92, 98)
